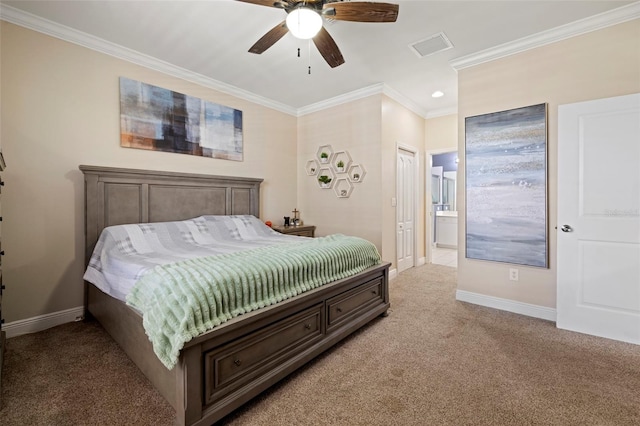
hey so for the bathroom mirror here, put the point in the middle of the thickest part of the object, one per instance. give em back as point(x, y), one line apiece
point(449, 192)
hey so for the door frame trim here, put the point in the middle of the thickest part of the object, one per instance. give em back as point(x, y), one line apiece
point(416, 199)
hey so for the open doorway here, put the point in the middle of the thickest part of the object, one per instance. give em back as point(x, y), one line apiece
point(442, 181)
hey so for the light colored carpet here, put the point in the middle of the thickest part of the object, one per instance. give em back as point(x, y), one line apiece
point(432, 361)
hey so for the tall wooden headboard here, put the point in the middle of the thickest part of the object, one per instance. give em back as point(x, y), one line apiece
point(115, 196)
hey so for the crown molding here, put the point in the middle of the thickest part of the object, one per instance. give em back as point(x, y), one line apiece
point(583, 26)
point(441, 112)
point(53, 29)
point(374, 89)
point(404, 101)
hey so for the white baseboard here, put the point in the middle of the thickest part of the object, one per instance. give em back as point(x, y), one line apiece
point(508, 305)
point(393, 273)
point(42, 322)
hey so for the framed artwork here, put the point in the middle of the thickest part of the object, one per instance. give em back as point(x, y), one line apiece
point(506, 186)
point(162, 120)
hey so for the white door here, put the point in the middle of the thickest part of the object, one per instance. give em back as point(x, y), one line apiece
point(405, 210)
point(599, 218)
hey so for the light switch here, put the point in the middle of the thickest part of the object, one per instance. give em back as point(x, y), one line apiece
point(393, 202)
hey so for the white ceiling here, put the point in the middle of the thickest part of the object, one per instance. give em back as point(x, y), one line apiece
point(211, 39)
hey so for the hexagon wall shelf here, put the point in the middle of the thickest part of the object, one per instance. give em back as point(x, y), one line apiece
point(325, 149)
point(356, 173)
point(341, 156)
point(312, 167)
point(343, 188)
point(349, 174)
point(326, 171)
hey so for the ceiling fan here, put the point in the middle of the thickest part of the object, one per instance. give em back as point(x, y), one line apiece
point(305, 19)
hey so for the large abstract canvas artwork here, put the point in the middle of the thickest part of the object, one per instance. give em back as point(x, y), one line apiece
point(162, 120)
point(506, 186)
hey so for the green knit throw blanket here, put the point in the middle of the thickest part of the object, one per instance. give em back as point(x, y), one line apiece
point(182, 300)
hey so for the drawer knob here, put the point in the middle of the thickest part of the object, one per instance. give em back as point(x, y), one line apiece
point(237, 362)
point(339, 309)
point(374, 292)
point(307, 326)
point(1, 252)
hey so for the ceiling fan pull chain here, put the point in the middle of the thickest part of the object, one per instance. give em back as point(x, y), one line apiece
point(309, 49)
point(298, 52)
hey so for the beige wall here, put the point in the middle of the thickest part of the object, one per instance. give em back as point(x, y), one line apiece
point(600, 64)
point(370, 129)
point(441, 133)
point(353, 127)
point(400, 127)
point(60, 109)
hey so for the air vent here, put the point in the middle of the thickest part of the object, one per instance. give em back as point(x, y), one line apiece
point(428, 46)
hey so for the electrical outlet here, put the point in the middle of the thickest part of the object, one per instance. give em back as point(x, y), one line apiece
point(513, 274)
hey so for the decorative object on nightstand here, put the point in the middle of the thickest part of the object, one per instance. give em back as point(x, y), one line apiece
point(293, 226)
point(296, 220)
point(301, 230)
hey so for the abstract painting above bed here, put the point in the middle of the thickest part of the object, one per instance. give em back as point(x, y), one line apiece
point(187, 277)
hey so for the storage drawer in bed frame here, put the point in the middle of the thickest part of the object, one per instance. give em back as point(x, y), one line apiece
point(350, 303)
point(250, 363)
point(237, 363)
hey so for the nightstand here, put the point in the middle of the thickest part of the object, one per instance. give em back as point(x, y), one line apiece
point(301, 230)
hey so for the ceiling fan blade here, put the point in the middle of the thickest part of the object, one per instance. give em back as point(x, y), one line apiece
point(363, 11)
point(270, 38)
point(328, 48)
point(269, 3)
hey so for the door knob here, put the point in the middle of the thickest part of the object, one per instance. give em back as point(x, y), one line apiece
point(566, 228)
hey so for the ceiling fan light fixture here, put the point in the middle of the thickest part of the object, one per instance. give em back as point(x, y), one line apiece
point(304, 23)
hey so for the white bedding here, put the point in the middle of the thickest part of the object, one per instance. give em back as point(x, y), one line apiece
point(124, 253)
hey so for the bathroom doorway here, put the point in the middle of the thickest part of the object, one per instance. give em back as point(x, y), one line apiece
point(442, 215)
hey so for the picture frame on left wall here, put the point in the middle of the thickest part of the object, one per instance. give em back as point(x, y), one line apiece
point(159, 119)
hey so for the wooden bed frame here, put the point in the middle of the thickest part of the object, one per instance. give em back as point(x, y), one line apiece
point(222, 369)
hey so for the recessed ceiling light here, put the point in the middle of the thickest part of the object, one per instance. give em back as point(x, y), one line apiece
point(437, 94)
